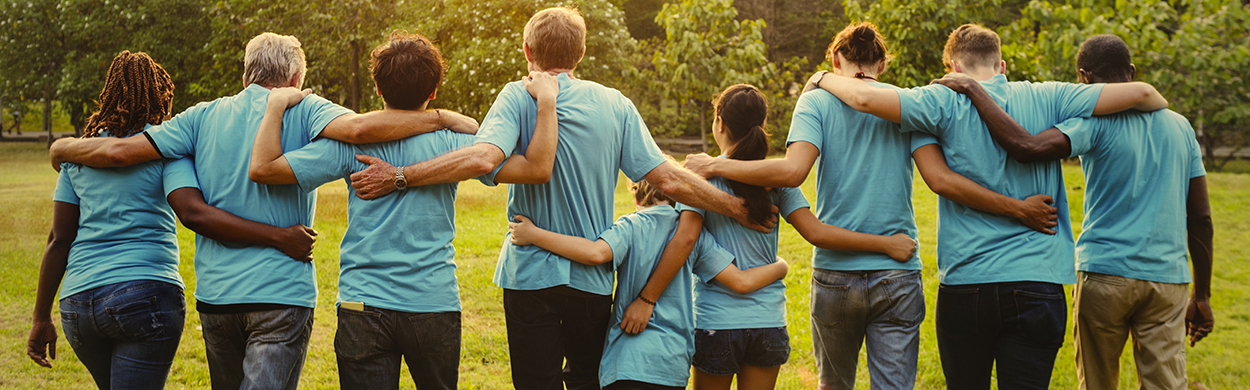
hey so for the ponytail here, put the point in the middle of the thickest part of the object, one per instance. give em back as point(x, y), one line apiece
point(744, 110)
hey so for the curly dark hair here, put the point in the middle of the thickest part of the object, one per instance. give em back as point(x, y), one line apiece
point(137, 91)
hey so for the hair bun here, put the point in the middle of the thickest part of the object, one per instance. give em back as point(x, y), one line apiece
point(864, 33)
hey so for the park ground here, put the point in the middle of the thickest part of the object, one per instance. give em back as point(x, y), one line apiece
point(27, 181)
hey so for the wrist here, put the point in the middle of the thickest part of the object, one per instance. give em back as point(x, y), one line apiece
point(645, 300)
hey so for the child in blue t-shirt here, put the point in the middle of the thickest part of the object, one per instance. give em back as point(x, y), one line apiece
point(660, 356)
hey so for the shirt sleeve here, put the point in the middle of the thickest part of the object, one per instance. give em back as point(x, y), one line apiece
point(921, 139)
point(639, 153)
point(1081, 133)
point(175, 138)
point(710, 257)
point(502, 126)
point(1196, 168)
point(1074, 100)
point(320, 162)
point(317, 112)
point(789, 199)
point(64, 191)
point(682, 207)
point(179, 173)
point(807, 122)
point(618, 238)
point(928, 109)
point(456, 141)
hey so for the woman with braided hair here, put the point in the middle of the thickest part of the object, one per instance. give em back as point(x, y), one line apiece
point(113, 249)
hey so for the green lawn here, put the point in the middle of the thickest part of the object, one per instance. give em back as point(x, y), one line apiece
point(26, 184)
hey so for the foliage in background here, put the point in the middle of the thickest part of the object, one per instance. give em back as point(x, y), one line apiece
point(1195, 52)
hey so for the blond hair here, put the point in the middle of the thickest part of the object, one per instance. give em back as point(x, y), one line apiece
point(647, 195)
point(556, 38)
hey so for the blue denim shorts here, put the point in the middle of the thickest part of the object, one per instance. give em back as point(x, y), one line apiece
point(724, 352)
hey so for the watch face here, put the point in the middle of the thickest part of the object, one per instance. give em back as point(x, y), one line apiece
point(401, 183)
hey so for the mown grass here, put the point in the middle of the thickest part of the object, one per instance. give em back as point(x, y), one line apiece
point(26, 184)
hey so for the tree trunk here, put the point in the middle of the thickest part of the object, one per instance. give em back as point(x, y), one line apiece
point(2, 116)
point(703, 125)
point(354, 73)
point(47, 114)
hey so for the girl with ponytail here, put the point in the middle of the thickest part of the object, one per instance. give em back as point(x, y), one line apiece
point(743, 333)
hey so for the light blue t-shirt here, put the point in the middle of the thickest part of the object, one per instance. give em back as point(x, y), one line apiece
point(220, 134)
point(715, 305)
point(125, 225)
point(1137, 170)
point(979, 247)
point(863, 176)
point(601, 133)
point(397, 252)
point(661, 353)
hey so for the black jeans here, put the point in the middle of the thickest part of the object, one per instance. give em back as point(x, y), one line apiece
point(550, 326)
point(1019, 325)
point(369, 345)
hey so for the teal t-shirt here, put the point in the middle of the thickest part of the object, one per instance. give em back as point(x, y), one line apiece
point(125, 225)
point(601, 134)
point(716, 306)
point(220, 134)
point(661, 353)
point(397, 252)
point(1137, 169)
point(979, 247)
point(863, 176)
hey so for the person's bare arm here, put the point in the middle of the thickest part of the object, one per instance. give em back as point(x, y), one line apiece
point(1199, 320)
point(790, 171)
point(746, 281)
point(1050, 144)
point(296, 241)
point(464, 164)
point(390, 125)
point(881, 102)
point(1116, 97)
point(102, 152)
point(1035, 211)
point(534, 167)
point(678, 249)
point(42, 340)
point(268, 166)
point(685, 187)
point(900, 247)
point(579, 249)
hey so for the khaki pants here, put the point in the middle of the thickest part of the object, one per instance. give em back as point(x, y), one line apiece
point(1107, 309)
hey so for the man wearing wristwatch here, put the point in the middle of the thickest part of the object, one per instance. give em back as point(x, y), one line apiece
point(398, 295)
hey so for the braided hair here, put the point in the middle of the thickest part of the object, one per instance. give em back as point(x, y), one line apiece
point(744, 109)
point(136, 92)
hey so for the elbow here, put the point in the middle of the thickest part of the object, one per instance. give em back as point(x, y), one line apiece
point(861, 102)
point(600, 257)
point(739, 286)
point(938, 185)
point(262, 175)
point(793, 177)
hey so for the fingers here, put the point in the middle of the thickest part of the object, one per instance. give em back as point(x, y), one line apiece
point(521, 219)
point(367, 159)
point(52, 349)
point(306, 92)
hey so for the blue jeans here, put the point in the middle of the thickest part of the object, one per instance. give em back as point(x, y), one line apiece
point(258, 349)
point(126, 333)
point(1020, 326)
point(883, 307)
point(369, 345)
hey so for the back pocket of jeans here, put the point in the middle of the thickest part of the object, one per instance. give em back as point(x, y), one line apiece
point(957, 312)
point(137, 320)
point(1042, 315)
point(829, 298)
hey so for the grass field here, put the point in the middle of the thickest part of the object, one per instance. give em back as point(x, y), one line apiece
point(26, 184)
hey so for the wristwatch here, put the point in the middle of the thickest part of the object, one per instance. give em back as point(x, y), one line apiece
point(400, 181)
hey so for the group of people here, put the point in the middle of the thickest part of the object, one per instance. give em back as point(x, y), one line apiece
point(691, 279)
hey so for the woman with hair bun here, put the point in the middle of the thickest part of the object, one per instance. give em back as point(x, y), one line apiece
point(743, 333)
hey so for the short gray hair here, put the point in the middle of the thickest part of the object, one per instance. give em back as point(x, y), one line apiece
point(271, 60)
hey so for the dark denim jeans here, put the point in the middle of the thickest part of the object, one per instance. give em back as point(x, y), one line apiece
point(1019, 325)
point(369, 345)
point(552, 326)
point(724, 352)
point(126, 333)
point(258, 349)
